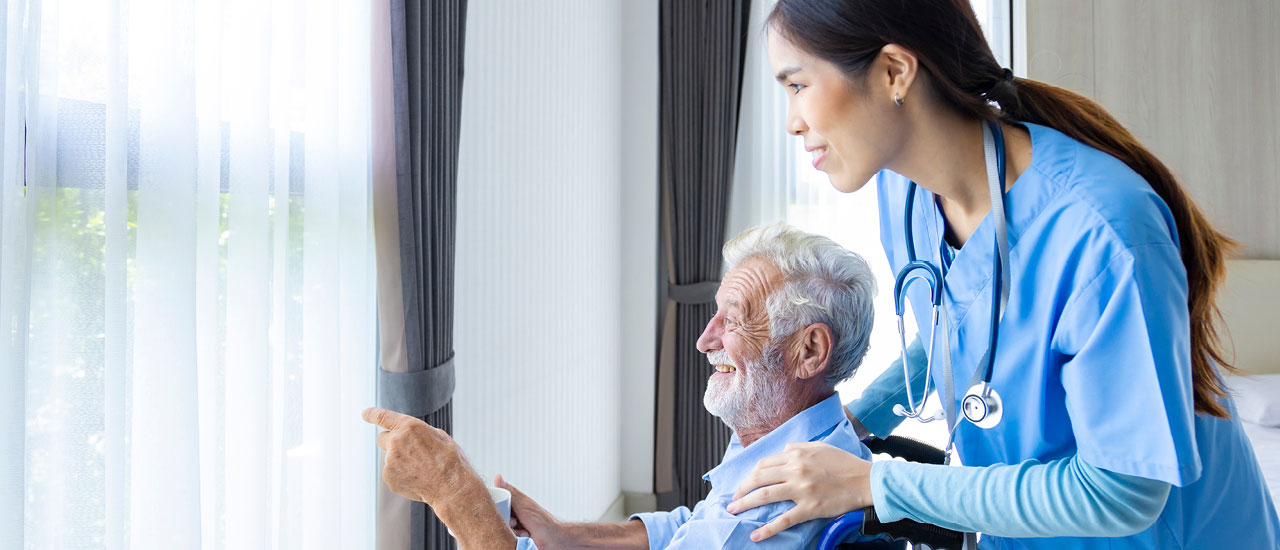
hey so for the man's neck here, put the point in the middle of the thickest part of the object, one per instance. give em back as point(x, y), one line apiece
point(772, 419)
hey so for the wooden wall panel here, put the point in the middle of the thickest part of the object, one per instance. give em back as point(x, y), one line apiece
point(1195, 81)
point(1060, 43)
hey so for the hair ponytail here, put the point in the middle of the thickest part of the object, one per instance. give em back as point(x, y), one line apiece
point(948, 42)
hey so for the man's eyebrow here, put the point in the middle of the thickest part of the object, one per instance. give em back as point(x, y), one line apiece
point(786, 73)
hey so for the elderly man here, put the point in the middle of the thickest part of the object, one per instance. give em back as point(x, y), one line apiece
point(794, 316)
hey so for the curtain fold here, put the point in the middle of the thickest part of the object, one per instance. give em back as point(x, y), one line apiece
point(427, 38)
point(702, 46)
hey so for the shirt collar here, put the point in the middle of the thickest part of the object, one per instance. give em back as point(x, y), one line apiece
point(810, 424)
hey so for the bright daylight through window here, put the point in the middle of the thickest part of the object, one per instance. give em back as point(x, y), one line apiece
point(185, 275)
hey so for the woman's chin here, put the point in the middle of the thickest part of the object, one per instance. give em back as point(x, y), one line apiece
point(845, 183)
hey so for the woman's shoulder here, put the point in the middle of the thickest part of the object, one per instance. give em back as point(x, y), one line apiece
point(1095, 189)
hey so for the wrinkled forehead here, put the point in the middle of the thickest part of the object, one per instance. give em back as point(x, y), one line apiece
point(748, 285)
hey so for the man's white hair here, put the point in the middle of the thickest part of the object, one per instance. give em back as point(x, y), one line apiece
point(822, 283)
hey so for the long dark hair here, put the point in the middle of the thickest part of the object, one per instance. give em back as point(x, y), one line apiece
point(949, 45)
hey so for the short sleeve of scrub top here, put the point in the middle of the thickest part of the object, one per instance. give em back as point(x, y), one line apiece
point(1124, 336)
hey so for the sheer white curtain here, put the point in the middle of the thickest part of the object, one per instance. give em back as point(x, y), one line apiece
point(774, 181)
point(186, 290)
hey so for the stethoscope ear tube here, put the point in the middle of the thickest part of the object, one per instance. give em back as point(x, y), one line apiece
point(913, 271)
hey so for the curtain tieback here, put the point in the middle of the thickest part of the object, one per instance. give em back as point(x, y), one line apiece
point(703, 292)
point(416, 393)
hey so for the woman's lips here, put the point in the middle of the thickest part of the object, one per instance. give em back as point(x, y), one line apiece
point(819, 156)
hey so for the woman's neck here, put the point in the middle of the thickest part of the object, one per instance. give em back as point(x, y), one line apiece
point(946, 157)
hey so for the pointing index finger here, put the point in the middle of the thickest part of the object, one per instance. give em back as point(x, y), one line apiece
point(386, 419)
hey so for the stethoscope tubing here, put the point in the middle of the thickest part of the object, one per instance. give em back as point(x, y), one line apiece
point(935, 277)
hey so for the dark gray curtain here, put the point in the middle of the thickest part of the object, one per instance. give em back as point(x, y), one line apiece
point(702, 48)
point(427, 38)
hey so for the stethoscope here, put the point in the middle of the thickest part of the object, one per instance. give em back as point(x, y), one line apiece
point(981, 404)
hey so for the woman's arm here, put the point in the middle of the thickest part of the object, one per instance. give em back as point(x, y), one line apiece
point(1064, 497)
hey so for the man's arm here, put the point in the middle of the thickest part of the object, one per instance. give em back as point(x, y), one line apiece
point(425, 464)
point(474, 519)
point(629, 535)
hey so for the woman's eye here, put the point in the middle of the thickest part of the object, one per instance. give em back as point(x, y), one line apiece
point(797, 87)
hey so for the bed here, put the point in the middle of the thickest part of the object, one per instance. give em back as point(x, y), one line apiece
point(1250, 304)
point(1266, 444)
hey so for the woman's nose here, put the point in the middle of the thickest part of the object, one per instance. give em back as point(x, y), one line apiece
point(796, 126)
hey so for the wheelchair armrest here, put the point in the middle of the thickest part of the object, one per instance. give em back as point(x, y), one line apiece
point(906, 448)
point(863, 525)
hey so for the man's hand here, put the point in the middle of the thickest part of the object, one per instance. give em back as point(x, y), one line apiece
point(423, 463)
point(529, 519)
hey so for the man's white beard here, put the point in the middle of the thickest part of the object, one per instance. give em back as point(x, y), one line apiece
point(752, 397)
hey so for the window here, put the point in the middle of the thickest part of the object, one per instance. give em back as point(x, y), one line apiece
point(186, 289)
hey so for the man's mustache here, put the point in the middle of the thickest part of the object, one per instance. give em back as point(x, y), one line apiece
point(720, 357)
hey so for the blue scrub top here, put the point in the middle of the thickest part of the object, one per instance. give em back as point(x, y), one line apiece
point(1094, 350)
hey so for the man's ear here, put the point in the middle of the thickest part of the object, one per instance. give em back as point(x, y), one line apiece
point(813, 350)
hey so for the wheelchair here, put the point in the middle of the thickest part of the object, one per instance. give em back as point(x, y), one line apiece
point(861, 530)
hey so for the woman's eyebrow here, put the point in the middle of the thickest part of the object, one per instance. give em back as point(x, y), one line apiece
point(786, 73)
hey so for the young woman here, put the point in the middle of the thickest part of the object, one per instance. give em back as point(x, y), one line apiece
point(1098, 275)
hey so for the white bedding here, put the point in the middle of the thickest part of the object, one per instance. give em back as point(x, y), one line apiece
point(1266, 444)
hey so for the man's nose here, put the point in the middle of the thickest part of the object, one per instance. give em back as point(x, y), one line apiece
point(710, 338)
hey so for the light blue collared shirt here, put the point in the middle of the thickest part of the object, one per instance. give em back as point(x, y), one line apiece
point(710, 526)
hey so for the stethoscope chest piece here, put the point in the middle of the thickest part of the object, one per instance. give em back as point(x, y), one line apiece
point(982, 406)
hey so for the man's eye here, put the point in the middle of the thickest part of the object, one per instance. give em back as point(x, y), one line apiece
point(797, 87)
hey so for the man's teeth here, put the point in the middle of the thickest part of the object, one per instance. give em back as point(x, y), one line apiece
point(725, 368)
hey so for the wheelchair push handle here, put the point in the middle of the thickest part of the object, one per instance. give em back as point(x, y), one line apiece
point(865, 523)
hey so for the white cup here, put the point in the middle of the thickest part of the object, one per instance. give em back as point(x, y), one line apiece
point(501, 499)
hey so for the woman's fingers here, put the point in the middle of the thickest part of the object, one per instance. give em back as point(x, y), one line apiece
point(761, 497)
point(780, 524)
point(754, 480)
point(760, 477)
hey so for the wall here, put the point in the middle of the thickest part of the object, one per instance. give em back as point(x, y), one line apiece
point(557, 238)
point(1195, 81)
point(539, 330)
point(639, 238)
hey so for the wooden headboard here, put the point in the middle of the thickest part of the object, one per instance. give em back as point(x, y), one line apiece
point(1250, 304)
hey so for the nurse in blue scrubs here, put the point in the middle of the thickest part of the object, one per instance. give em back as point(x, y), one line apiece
point(1117, 431)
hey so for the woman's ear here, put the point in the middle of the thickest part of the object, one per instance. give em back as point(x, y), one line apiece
point(813, 350)
point(897, 69)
